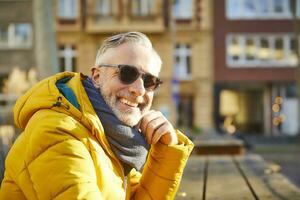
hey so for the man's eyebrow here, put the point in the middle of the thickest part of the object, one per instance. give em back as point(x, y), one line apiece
point(145, 72)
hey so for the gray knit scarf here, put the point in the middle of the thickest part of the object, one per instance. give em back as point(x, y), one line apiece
point(127, 143)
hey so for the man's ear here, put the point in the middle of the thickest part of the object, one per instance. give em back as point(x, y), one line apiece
point(95, 77)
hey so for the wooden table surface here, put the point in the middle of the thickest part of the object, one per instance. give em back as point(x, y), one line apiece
point(234, 177)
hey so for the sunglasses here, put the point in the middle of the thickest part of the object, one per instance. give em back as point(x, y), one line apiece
point(129, 74)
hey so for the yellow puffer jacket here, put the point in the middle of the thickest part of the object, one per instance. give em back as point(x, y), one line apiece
point(63, 153)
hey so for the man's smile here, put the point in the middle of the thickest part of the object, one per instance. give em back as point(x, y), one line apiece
point(128, 102)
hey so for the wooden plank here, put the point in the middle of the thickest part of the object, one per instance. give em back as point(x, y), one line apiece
point(216, 144)
point(191, 186)
point(224, 180)
point(218, 150)
point(267, 185)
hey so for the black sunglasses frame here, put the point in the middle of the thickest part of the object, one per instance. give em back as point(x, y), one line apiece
point(153, 87)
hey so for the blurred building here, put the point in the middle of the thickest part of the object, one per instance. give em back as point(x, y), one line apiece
point(181, 32)
point(255, 66)
point(16, 50)
point(16, 36)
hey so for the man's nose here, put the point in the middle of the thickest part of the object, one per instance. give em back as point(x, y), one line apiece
point(137, 87)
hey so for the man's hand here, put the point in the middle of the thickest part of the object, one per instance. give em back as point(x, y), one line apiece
point(155, 127)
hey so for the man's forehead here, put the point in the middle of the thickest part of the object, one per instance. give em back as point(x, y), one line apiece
point(133, 54)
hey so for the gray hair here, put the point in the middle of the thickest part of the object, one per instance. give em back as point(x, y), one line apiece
point(116, 40)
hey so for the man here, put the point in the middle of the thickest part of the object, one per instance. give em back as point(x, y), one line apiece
point(96, 137)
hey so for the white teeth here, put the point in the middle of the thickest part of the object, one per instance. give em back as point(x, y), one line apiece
point(129, 103)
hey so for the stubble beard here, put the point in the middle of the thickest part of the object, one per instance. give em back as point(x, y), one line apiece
point(128, 117)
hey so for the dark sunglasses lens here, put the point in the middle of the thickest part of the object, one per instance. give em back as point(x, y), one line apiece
point(150, 82)
point(128, 74)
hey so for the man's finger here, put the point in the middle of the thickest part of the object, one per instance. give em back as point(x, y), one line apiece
point(159, 132)
point(147, 118)
point(152, 126)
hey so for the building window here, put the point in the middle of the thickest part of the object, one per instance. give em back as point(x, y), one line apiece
point(103, 8)
point(298, 8)
point(182, 61)
point(234, 50)
point(3, 35)
point(250, 49)
point(16, 36)
point(259, 9)
point(249, 8)
point(185, 112)
point(279, 49)
point(21, 34)
point(183, 9)
point(67, 57)
point(233, 9)
point(261, 50)
point(264, 49)
point(284, 109)
point(263, 7)
point(291, 54)
point(67, 9)
point(142, 7)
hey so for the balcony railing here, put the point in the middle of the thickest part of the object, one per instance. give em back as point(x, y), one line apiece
point(124, 16)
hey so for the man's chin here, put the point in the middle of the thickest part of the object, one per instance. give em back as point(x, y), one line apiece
point(128, 119)
point(131, 121)
point(129, 116)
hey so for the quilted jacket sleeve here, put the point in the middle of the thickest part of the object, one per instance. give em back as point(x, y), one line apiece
point(58, 164)
point(69, 172)
point(163, 171)
point(9, 189)
point(72, 174)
